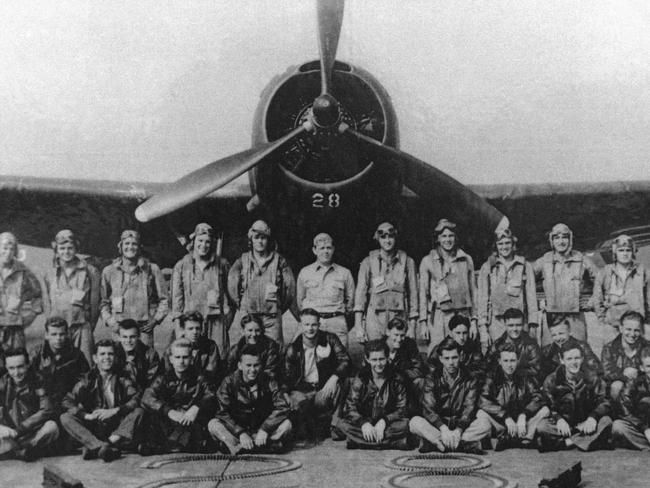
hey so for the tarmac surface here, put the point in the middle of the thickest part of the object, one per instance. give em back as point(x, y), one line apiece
point(329, 463)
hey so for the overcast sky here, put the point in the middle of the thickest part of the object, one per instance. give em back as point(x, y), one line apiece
point(516, 91)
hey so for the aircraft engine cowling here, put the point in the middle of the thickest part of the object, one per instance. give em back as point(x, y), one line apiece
point(324, 163)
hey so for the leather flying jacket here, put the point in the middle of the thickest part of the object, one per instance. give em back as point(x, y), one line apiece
point(471, 358)
point(144, 366)
point(408, 362)
point(454, 406)
point(24, 408)
point(551, 356)
point(615, 360)
point(634, 402)
point(169, 392)
point(528, 354)
point(269, 357)
point(503, 399)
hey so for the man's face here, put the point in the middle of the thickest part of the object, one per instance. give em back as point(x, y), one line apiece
point(572, 360)
point(460, 334)
point(645, 366)
point(250, 367)
point(130, 247)
point(56, 337)
point(252, 332)
point(505, 248)
point(514, 327)
point(387, 239)
point(17, 368)
point(394, 338)
point(624, 254)
point(202, 245)
point(192, 331)
point(66, 251)
point(129, 339)
point(561, 243)
point(560, 333)
point(377, 361)
point(631, 331)
point(324, 251)
point(447, 240)
point(508, 362)
point(7, 254)
point(180, 358)
point(450, 361)
point(104, 358)
point(310, 326)
point(260, 242)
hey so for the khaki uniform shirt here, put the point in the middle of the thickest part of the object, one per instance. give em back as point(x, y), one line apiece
point(326, 289)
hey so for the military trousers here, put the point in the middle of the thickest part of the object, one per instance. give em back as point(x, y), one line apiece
point(377, 321)
point(585, 442)
point(628, 436)
point(93, 434)
point(44, 436)
point(498, 428)
point(474, 433)
point(395, 435)
point(81, 336)
point(219, 430)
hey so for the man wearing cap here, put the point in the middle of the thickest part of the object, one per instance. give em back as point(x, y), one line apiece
point(386, 288)
point(132, 288)
point(447, 285)
point(566, 276)
point(261, 282)
point(327, 288)
point(506, 280)
point(621, 286)
point(199, 283)
point(20, 295)
point(72, 292)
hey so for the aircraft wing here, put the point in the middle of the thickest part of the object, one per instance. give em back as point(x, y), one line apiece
point(35, 209)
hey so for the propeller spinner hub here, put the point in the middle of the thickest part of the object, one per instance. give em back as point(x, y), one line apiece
point(326, 110)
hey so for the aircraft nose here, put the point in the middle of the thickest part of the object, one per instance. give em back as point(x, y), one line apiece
point(326, 110)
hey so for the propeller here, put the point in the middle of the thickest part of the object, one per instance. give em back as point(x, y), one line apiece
point(330, 18)
point(436, 188)
point(205, 180)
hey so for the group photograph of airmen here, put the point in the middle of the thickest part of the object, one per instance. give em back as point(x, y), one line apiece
point(450, 357)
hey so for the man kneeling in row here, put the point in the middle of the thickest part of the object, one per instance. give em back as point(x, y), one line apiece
point(253, 412)
point(26, 425)
point(376, 407)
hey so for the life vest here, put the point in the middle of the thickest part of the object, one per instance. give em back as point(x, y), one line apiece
point(388, 290)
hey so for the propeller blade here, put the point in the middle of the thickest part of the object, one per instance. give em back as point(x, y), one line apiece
point(330, 18)
point(438, 189)
point(211, 177)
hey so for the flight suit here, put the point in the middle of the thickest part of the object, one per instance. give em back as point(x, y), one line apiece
point(330, 291)
point(503, 285)
point(614, 294)
point(386, 289)
point(139, 295)
point(368, 403)
point(29, 411)
point(566, 280)
point(248, 408)
point(447, 287)
point(74, 297)
point(265, 291)
point(20, 303)
point(204, 291)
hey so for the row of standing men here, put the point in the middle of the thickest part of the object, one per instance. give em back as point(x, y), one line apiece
point(262, 284)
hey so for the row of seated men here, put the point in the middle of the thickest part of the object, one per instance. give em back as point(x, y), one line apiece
point(191, 401)
point(261, 283)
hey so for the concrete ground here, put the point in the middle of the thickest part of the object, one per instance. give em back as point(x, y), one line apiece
point(329, 463)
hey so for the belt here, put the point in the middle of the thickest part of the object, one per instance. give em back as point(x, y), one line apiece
point(330, 315)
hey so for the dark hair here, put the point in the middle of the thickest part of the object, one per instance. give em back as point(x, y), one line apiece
point(645, 353)
point(56, 322)
point(192, 316)
point(457, 320)
point(513, 313)
point(507, 347)
point(396, 323)
point(632, 315)
point(249, 350)
point(570, 346)
point(559, 319)
point(376, 345)
point(129, 324)
point(448, 344)
point(248, 318)
point(17, 351)
point(309, 311)
point(103, 343)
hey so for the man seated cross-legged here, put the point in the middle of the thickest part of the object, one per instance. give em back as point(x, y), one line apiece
point(449, 398)
point(27, 427)
point(579, 407)
point(102, 412)
point(253, 413)
point(376, 408)
point(510, 402)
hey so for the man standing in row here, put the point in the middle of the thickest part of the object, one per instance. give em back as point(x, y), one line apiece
point(327, 288)
point(261, 282)
point(386, 288)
